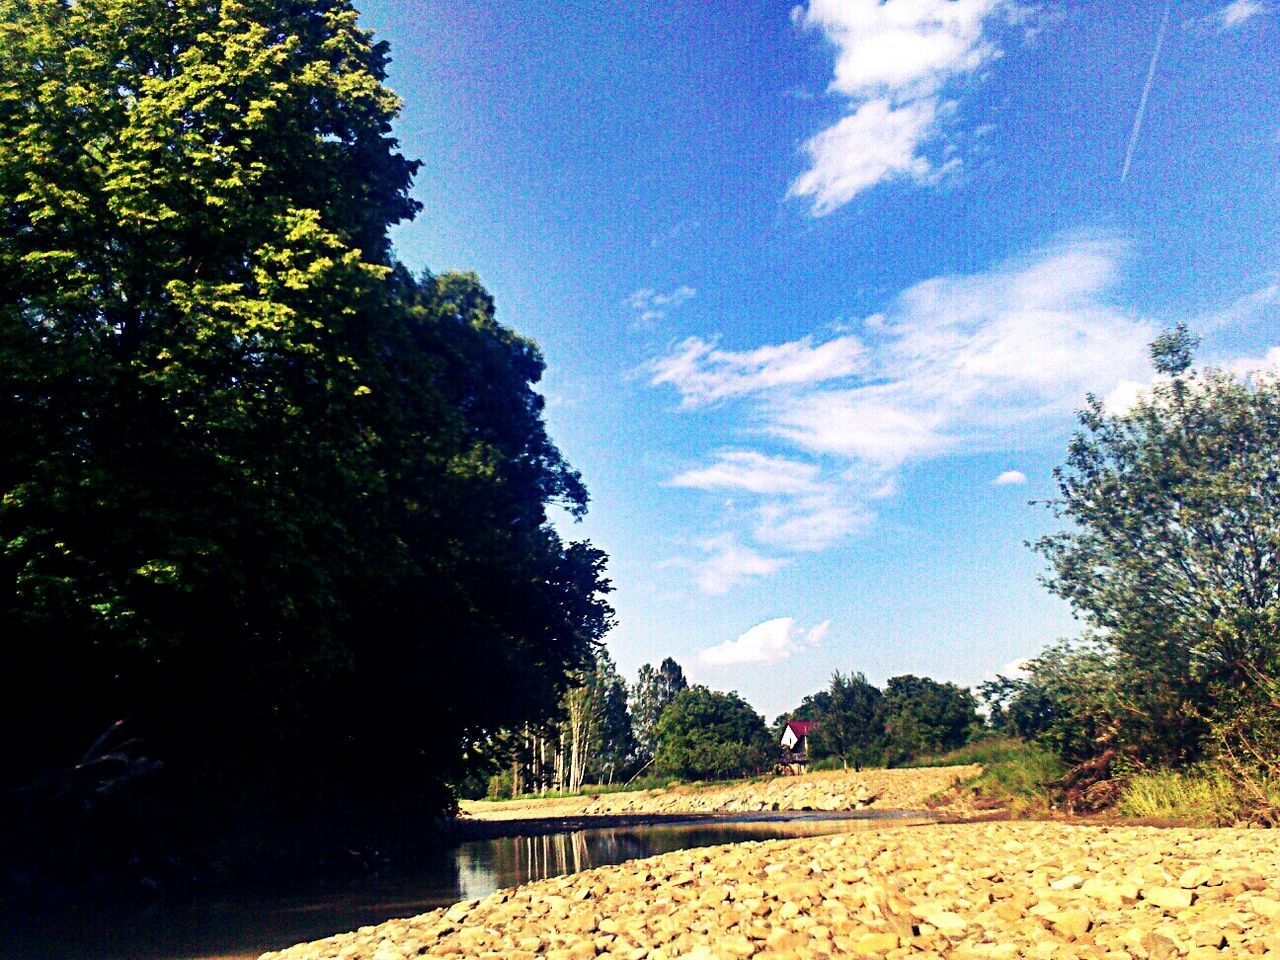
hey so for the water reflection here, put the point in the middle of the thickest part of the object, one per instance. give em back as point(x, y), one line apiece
point(241, 929)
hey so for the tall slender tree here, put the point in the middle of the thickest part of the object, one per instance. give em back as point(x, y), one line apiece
point(655, 690)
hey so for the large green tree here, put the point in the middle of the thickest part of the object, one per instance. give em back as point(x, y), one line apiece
point(850, 720)
point(705, 733)
point(264, 497)
point(1171, 549)
point(923, 716)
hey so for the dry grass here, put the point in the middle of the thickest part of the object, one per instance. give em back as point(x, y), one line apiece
point(1203, 796)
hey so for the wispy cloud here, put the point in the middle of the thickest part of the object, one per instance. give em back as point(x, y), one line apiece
point(1239, 13)
point(1249, 308)
point(894, 62)
point(765, 643)
point(726, 563)
point(679, 229)
point(703, 373)
point(1010, 478)
point(953, 365)
point(796, 509)
point(966, 363)
point(809, 524)
point(752, 472)
point(650, 306)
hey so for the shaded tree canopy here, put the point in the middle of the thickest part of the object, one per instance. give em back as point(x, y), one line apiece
point(265, 496)
point(708, 734)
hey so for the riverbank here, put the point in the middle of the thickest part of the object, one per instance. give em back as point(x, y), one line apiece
point(982, 890)
point(836, 790)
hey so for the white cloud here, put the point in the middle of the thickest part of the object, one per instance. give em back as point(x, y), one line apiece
point(797, 510)
point(752, 472)
point(810, 523)
point(1268, 364)
point(1015, 669)
point(894, 59)
point(1240, 12)
point(728, 563)
point(881, 424)
point(651, 306)
point(955, 364)
point(767, 642)
point(1010, 478)
point(965, 363)
point(876, 142)
point(703, 373)
point(1126, 394)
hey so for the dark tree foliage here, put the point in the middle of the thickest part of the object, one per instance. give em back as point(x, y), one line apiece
point(272, 512)
point(706, 734)
point(922, 716)
point(615, 756)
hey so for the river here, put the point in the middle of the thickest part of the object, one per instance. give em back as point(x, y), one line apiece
point(241, 928)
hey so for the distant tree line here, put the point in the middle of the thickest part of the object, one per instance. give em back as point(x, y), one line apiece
point(857, 724)
point(661, 727)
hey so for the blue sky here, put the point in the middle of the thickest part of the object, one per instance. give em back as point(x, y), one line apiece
point(819, 287)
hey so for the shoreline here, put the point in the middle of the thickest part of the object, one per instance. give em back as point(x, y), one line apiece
point(476, 829)
point(1032, 889)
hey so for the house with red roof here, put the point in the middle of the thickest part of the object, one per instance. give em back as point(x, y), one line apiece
point(795, 746)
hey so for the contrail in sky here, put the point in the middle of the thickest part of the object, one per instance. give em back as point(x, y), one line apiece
point(1146, 91)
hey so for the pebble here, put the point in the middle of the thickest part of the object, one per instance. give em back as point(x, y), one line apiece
point(972, 890)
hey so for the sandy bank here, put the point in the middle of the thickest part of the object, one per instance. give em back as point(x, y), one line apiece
point(907, 789)
point(993, 890)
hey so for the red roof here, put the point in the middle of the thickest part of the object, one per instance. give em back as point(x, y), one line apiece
point(801, 728)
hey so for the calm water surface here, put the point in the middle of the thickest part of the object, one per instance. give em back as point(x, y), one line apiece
point(240, 929)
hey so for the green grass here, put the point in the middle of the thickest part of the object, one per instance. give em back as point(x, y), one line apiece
point(1201, 796)
point(1015, 773)
point(987, 752)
